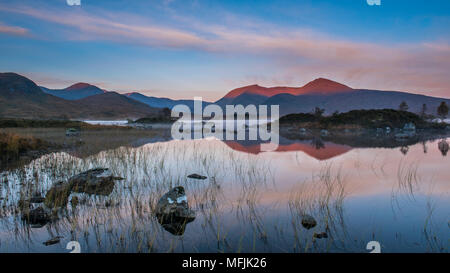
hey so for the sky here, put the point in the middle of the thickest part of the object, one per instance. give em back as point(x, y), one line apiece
point(186, 48)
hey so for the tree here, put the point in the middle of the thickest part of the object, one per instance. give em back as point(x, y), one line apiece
point(423, 113)
point(403, 106)
point(442, 110)
point(318, 112)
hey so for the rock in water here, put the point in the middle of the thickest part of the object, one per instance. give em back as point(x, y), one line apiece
point(53, 241)
point(308, 221)
point(197, 176)
point(173, 212)
point(96, 181)
point(58, 195)
point(443, 147)
point(320, 235)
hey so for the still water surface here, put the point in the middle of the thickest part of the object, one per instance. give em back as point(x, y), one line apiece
point(251, 201)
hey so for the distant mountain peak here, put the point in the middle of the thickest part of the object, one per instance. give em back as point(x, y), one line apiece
point(321, 81)
point(323, 85)
point(13, 82)
point(317, 86)
point(83, 86)
point(252, 89)
point(75, 92)
point(132, 93)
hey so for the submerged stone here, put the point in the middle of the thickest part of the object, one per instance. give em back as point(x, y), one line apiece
point(320, 235)
point(197, 176)
point(53, 241)
point(308, 221)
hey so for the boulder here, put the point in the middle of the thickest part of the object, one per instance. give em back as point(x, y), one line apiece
point(172, 211)
point(443, 147)
point(58, 195)
point(320, 235)
point(197, 176)
point(96, 181)
point(308, 221)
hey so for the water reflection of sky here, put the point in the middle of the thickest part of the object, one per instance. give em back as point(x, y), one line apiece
point(253, 199)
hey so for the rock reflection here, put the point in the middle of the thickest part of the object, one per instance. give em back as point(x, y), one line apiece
point(443, 147)
point(37, 217)
point(404, 150)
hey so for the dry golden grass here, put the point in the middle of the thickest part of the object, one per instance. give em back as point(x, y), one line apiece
point(11, 144)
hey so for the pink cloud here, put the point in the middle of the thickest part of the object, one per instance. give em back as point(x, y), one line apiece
point(13, 30)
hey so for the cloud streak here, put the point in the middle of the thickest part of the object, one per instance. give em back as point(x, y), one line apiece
point(13, 30)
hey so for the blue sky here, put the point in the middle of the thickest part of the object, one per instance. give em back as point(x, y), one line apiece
point(182, 48)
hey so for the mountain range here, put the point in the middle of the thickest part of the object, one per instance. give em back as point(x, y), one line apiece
point(323, 93)
point(162, 102)
point(328, 95)
point(75, 92)
point(21, 97)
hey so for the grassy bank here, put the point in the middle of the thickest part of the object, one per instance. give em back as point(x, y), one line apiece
point(358, 119)
point(13, 144)
point(13, 147)
point(92, 141)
